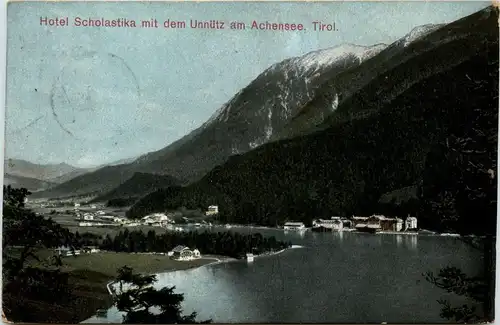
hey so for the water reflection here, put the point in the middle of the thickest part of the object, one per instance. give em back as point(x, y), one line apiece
point(399, 240)
point(297, 286)
point(295, 233)
point(201, 285)
point(339, 235)
point(411, 242)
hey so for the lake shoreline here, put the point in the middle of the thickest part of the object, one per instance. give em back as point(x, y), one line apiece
point(99, 280)
point(414, 257)
point(215, 260)
point(210, 260)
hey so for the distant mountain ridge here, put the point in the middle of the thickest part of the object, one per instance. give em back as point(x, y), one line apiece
point(53, 173)
point(31, 184)
point(39, 177)
point(259, 113)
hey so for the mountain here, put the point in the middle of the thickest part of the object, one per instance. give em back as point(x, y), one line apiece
point(43, 177)
point(52, 173)
point(243, 123)
point(266, 110)
point(32, 184)
point(137, 186)
point(345, 85)
point(377, 140)
point(279, 93)
point(294, 97)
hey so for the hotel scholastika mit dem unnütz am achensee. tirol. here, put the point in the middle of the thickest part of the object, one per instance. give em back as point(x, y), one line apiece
point(173, 24)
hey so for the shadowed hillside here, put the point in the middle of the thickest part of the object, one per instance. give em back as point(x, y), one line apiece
point(137, 186)
point(345, 168)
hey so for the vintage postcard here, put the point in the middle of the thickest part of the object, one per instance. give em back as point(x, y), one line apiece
point(250, 162)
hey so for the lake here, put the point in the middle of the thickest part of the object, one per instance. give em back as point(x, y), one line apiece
point(334, 277)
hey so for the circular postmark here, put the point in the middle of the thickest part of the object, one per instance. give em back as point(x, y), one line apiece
point(95, 96)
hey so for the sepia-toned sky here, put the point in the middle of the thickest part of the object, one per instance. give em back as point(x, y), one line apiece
point(89, 96)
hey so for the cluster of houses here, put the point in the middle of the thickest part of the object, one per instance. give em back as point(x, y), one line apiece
point(68, 251)
point(179, 253)
point(372, 224)
point(97, 218)
point(100, 218)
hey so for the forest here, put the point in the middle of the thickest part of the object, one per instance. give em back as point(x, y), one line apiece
point(229, 244)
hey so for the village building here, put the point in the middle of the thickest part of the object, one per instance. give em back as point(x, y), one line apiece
point(410, 223)
point(156, 219)
point(334, 224)
point(67, 251)
point(294, 226)
point(119, 220)
point(357, 220)
point(183, 253)
point(391, 224)
point(213, 209)
point(346, 223)
point(132, 224)
point(376, 223)
point(370, 224)
point(90, 249)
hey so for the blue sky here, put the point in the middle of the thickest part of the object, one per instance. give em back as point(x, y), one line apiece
point(88, 96)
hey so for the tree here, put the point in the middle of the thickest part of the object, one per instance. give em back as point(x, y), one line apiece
point(29, 279)
point(460, 194)
point(453, 280)
point(137, 297)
